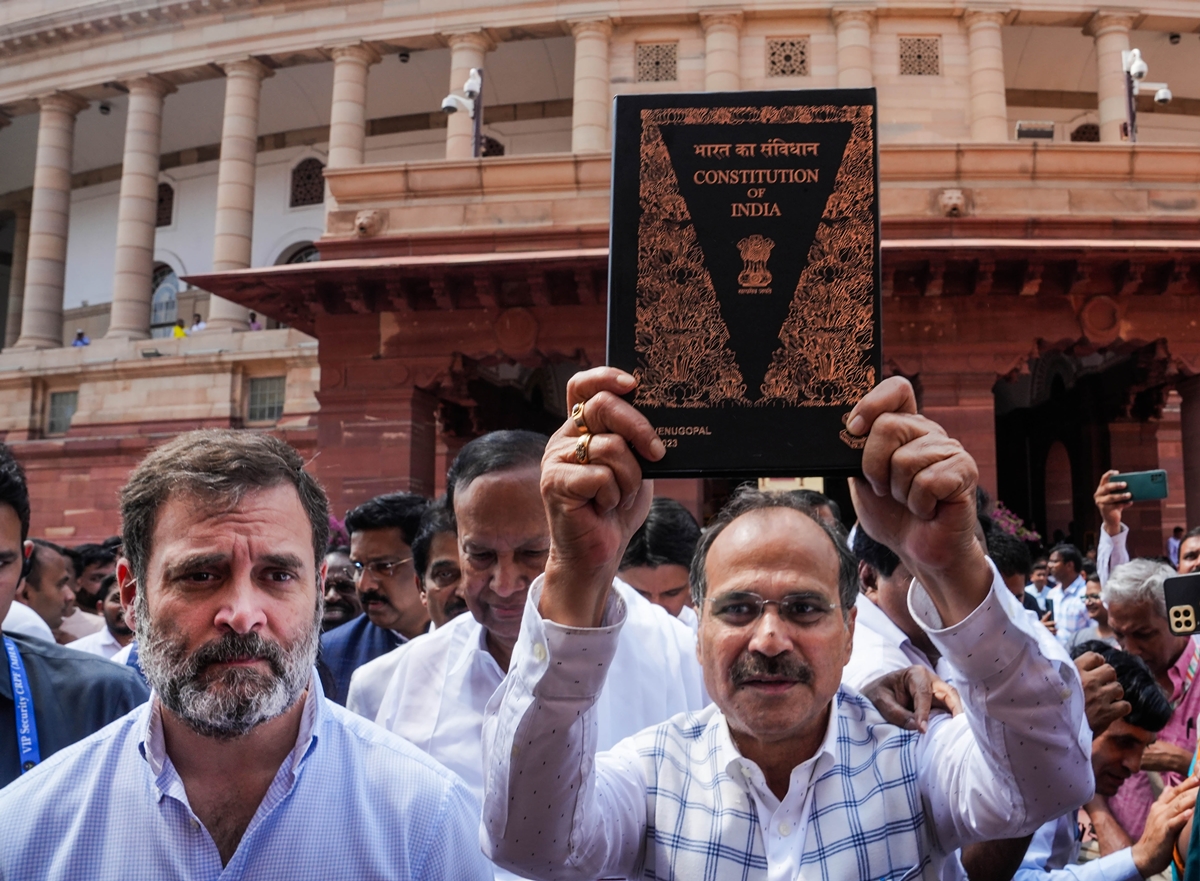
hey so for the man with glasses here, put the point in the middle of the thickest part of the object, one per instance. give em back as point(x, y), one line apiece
point(382, 531)
point(435, 559)
point(787, 774)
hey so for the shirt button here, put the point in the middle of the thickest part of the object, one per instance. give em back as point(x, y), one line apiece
point(785, 829)
point(539, 652)
point(195, 823)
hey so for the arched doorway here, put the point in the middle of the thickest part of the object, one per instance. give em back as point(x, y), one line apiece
point(164, 303)
point(1060, 500)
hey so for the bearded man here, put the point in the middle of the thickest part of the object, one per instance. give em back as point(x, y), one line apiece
point(222, 773)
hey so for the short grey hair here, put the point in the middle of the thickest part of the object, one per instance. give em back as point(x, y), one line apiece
point(750, 499)
point(1138, 581)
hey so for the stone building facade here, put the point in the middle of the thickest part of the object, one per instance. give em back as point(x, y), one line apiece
point(1042, 292)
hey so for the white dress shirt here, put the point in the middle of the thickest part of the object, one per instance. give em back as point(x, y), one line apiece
point(442, 684)
point(1111, 552)
point(881, 647)
point(101, 643)
point(679, 801)
point(23, 620)
point(369, 683)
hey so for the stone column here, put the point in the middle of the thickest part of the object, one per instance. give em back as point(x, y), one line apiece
point(466, 51)
point(16, 277)
point(1111, 33)
point(235, 183)
point(1189, 419)
point(49, 216)
point(138, 209)
point(854, 48)
point(589, 116)
point(989, 107)
point(722, 65)
point(348, 117)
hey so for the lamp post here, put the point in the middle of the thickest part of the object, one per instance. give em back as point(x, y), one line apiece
point(1135, 81)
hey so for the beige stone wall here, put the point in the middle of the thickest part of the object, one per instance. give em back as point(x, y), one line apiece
point(201, 380)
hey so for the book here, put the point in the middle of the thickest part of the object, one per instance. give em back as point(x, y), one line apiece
point(744, 276)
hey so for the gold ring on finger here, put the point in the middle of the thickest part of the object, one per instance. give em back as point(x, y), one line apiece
point(581, 449)
point(577, 418)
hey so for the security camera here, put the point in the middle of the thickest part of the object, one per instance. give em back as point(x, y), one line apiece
point(105, 108)
point(1162, 96)
point(1137, 67)
point(455, 103)
point(474, 83)
point(404, 56)
point(1174, 39)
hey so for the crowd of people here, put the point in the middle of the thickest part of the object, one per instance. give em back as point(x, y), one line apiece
point(549, 673)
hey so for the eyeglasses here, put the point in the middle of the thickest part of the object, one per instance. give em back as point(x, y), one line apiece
point(378, 568)
point(740, 609)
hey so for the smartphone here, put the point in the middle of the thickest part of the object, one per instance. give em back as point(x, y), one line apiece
point(1143, 486)
point(1050, 608)
point(1182, 593)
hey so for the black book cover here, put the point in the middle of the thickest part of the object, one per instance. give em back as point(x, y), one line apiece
point(744, 276)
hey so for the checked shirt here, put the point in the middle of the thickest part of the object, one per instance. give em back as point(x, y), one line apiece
point(678, 801)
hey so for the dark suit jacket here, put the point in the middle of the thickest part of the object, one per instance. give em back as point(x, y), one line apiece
point(346, 648)
point(74, 694)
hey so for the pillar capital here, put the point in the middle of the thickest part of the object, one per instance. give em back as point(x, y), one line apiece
point(975, 18)
point(600, 27)
point(1109, 20)
point(64, 102)
point(846, 16)
point(246, 67)
point(363, 53)
point(729, 19)
point(149, 84)
point(477, 40)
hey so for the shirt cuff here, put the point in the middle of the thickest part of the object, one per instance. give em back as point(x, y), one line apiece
point(1117, 866)
point(980, 645)
point(566, 662)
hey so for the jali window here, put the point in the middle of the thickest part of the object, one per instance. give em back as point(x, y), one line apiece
point(920, 56)
point(657, 62)
point(787, 57)
point(308, 183)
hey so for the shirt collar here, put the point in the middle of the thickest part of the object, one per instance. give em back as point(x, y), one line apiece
point(1075, 586)
point(1178, 671)
point(474, 645)
point(152, 743)
point(746, 773)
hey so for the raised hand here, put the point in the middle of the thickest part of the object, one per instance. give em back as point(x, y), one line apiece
point(918, 498)
point(1111, 499)
point(594, 494)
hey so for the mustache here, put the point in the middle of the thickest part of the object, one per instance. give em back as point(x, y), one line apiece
point(753, 665)
point(237, 647)
point(455, 604)
point(373, 596)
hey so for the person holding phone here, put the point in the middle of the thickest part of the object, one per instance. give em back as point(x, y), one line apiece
point(1112, 497)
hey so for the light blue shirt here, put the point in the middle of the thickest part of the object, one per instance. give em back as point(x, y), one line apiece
point(350, 801)
point(1052, 853)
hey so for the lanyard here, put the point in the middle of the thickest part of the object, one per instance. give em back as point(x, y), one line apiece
point(27, 736)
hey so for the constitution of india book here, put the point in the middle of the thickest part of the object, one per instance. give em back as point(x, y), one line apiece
point(744, 276)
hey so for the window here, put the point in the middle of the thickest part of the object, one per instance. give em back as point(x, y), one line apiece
point(304, 254)
point(163, 302)
point(787, 57)
point(656, 62)
point(1088, 132)
point(492, 147)
point(166, 205)
point(266, 398)
point(920, 56)
point(62, 408)
point(308, 183)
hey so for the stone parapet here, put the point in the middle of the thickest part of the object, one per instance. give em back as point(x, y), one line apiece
point(187, 383)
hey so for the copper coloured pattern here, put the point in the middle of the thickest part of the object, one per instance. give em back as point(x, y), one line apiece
point(684, 359)
point(681, 339)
